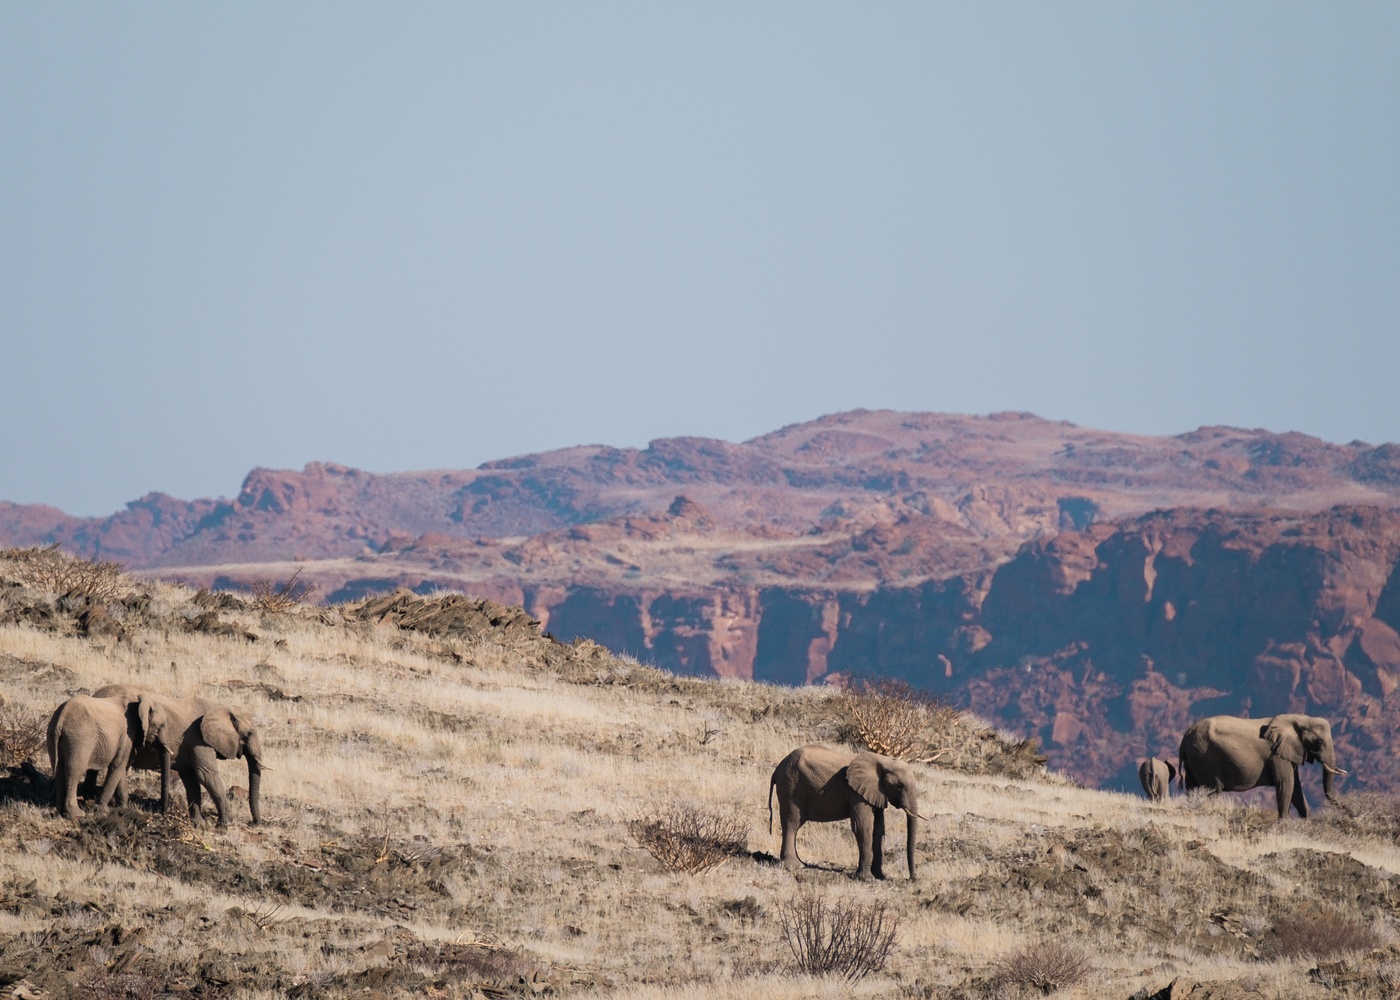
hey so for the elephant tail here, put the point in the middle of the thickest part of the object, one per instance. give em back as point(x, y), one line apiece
point(772, 783)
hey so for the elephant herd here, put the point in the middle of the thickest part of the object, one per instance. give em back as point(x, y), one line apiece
point(1222, 753)
point(1228, 754)
point(119, 727)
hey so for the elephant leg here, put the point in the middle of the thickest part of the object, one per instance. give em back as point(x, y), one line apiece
point(207, 769)
point(1300, 801)
point(1283, 779)
point(877, 845)
point(115, 782)
point(863, 826)
point(193, 795)
point(792, 822)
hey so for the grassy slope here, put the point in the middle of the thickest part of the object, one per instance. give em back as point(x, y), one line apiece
point(430, 796)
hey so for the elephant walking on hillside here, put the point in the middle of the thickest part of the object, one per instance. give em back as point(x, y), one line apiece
point(1229, 754)
point(1156, 777)
point(818, 785)
point(190, 736)
point(88, 734)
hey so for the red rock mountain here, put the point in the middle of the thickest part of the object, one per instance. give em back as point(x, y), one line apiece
point(1098, 589)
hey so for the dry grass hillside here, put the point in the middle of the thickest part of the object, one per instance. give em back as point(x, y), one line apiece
point(461, 807)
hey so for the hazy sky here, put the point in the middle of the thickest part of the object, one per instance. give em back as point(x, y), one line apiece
point(428, 235)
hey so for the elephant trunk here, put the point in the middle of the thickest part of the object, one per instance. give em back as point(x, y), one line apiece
point(1328, 757)
point(911, 837)
point(255, 771)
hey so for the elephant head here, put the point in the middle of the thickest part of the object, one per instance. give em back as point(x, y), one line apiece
point(232, 735)
point(228, 733)
point(1303, 739)
point(883, 781)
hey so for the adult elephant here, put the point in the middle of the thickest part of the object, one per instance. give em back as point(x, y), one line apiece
point(88, 734)
point(1156, 777)
point(190, 736)
point(818, 785)
point(1228, 754)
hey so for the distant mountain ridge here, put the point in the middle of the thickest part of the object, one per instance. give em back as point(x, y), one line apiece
point(1006, 476)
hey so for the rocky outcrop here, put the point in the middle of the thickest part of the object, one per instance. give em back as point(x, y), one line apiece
point(923, 495)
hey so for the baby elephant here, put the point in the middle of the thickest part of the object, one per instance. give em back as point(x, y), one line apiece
point(817, 785)
point(88, 734)
point(1156, 777)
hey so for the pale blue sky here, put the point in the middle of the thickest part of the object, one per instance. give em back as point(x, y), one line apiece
point(428, 235)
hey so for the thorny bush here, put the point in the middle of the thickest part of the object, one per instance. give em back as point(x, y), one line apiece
point(1321, 935)
point(839, 937)
point(1047, 966)
point(23, 734)
point(268, 595)
point(55, 572)
point(893, 718)
point(691, 838)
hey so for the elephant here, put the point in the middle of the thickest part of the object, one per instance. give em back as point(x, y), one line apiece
point(190, 736)
point(819, 785)
point(1230, 754)
point(1156, 777)
point(88, 734)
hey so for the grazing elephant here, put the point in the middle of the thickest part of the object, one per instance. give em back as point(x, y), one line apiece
point(1229, 754)
point(817, 785)
point(88, 734)
point(190, 736)
point(1156, 777)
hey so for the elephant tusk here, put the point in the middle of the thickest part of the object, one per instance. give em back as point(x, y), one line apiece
point(1333, 770)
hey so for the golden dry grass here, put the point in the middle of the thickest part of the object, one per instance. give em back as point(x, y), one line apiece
point(419, 802)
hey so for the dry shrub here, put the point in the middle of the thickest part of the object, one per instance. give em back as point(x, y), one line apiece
point(893, 718)
point(1321, 935)
point(837, 937)
point(476, 962)
point(1047, 966)
point(124, 986)
point(23, 734)
point(55, 572)
point(268, 595)
point(692, 839)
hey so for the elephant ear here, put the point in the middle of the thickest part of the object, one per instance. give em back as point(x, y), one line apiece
point(1283, 739)
point(863, 775)
point(218, 730)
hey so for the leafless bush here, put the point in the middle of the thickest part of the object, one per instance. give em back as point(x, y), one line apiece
point(1046, 967)
point(124, 986)
point(690, 838)
point(23, 734)
point(476, 962)
point(53, 571)
point(1321, 935)
point(837, 937)
point(893, 718)
point(268, 595)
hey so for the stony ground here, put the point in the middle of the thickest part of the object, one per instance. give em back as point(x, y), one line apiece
point(458, 808)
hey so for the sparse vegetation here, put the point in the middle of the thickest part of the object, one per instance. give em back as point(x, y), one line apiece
point(692, 838)
point(1321, 935)
point(840, 937)
point(269, 595)
point(454, 809)
point(893, 718)
point(23, 732)
point(1045, 967)
point(52, 571)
